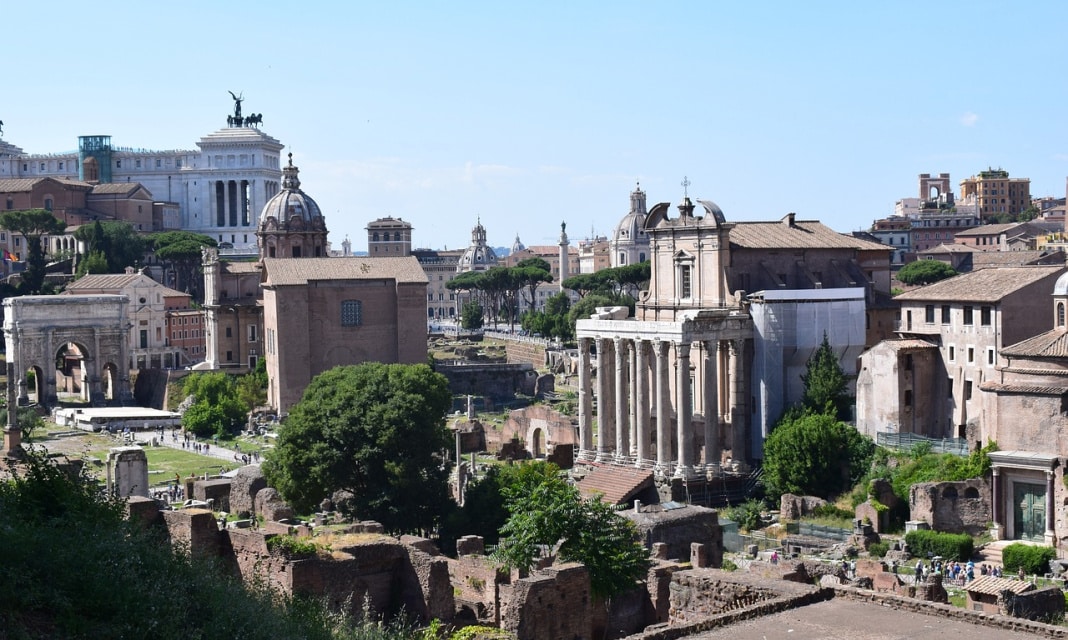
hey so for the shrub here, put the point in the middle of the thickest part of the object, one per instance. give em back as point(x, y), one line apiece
point(728, 565)
point(831, 511)
point(951, 546)
point(1034, 560)
point(878, 549)
point(747, 514)
point(291, 546)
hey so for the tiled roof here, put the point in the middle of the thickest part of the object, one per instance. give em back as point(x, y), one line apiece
point(116, 187)
point(615, 485)
point(14, 185)
point(985, 259)
point(991, 586)
point(950, 248)
point(1030, 389)
point(985, 285)
point(987, 230)
point(241, 266)
point(104, 282)
point(909, 343)
point(802, 234)
point(299, 271)
point(1051, 344)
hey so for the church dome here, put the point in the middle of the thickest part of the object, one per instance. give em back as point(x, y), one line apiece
point(291, 209)
point(630, 243)
point(517, 246)
point(1061, 287)
point(479, 256)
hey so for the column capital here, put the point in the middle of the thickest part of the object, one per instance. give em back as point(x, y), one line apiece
point(682, 349)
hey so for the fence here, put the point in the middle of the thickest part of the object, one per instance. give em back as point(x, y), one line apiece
point(906, 441)
point(820, 531)
point(737, 542)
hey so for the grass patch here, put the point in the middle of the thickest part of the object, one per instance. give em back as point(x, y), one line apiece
point(164, 462)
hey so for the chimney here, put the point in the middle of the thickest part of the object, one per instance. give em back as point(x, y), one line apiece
point(788, 219)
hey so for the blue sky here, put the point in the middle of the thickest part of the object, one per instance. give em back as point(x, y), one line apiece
point(526, 114)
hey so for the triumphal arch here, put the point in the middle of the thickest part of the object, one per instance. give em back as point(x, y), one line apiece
point(81, 338)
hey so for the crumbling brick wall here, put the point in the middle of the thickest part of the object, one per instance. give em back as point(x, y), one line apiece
point(793, 507)
point(954, 507)
point(550, 603)
point(699, 593)
point(196, 530)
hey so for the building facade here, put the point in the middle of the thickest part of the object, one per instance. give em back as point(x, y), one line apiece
point(996, 193)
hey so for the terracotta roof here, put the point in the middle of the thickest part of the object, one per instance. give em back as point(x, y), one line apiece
point(950, 248)
point(985, 259)
point(104, 282)
point(241, 266)
point(987, 230)
point(14, 185)
point(300, 271)
point(116, 187)
point(1030, 389)
point(802, 234)
point(985, 285)
point(908, 343)
point(1051, 344)
point(616, 485)
point(991, 586)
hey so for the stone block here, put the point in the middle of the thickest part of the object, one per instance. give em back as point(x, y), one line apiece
point(271, 506)
point(245, 485)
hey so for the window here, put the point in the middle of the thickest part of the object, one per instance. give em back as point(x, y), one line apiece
point(908, 397)
point(351, 313)
point(48, 204)
point(971, 354)
point(1060, 309)
point(229, 356)
point(949, 388)
point(990, 356)
point(229, 332)
point(952, 353)
point(118, 164)
point(967, 389)
point(685, 281)
point(159, 163)
point(928, 314)
point(968, 319)
point(137, 163)
point(984, 316)
point(945, 314)
point(252, 333)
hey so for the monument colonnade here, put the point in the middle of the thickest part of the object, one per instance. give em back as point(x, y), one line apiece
point(648, 380)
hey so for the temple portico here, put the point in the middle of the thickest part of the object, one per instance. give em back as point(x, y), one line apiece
point(670, 395)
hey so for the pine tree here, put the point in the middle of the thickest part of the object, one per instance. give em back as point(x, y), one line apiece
point(825, 383)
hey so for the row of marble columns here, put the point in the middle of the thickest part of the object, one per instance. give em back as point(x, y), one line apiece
point(634, 377)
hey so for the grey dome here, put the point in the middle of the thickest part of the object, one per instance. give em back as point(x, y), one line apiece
point(1061, 287)
point(291, 209)
point(479, 256)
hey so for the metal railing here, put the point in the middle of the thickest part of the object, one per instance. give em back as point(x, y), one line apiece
point(906, 441)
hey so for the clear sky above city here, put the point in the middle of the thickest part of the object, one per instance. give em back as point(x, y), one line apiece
point(527, 114)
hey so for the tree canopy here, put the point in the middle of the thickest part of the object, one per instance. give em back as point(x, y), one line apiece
point(181, 250)
point(375, 431)
point(547, 516)
point(118, 243)
point(814, 454)
point(826, 388)
point(218, 408)
point(33, 224)
point(925, 272)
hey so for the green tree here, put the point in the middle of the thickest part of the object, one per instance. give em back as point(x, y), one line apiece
point(814, 454)
point(95, 262)
point(120, 244)
point(826, 388)
point(530, 273)
point(375, 431)
point(181, 251)
point(925, 272)
point(471, 316)
point(53, 588)
point(33, 224)
point(548, 517)
point(252, 387)
point(217, 408)
point(28, 421)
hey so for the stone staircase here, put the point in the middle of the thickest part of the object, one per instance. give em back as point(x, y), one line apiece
point(991, 552)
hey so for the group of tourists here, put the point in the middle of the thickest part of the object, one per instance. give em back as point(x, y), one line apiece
point(958, 573)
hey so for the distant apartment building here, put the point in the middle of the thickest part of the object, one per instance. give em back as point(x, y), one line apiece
point(389, 238)
point(440, 268)
point(997, 193)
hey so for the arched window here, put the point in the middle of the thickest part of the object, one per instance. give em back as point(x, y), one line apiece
point(374, 237)
point(1060, 314)
point(396, 236)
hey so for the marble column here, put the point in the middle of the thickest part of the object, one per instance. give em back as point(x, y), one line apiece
point(710, 405)
point(605, 417)
point(995, 504)
point(663, 407)
point(641, 402)
point(585, 406)
point(622, 405)
point(1051, 509)
point(632, 416)
point(685, 411)
point(738, 404)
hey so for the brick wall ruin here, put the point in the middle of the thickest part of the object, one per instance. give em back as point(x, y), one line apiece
point(953, 507)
